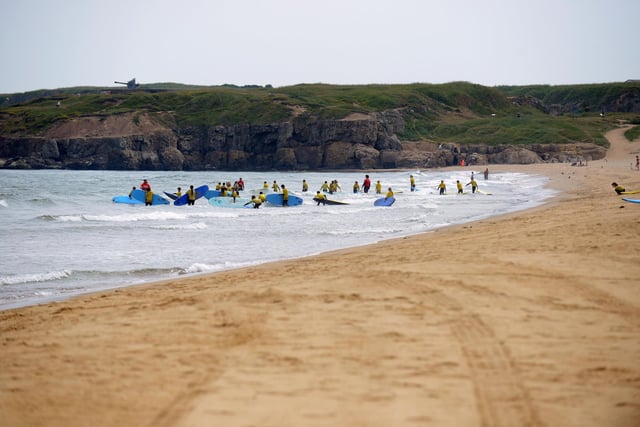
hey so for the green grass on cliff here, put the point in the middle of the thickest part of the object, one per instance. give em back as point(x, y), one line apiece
point(453, 112)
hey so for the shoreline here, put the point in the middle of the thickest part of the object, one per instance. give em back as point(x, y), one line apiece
point(528, 318)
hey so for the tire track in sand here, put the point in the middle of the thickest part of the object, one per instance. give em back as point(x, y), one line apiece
point(501, 398)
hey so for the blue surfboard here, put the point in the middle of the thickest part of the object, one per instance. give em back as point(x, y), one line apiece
point(276, 199)
point(384, 201)
point(227, 202)
point(200, 191)
point(212, 193)
point(141, 196)
point(127, 200)
point(631, 200)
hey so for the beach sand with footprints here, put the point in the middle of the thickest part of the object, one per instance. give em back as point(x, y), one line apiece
point(527, 319)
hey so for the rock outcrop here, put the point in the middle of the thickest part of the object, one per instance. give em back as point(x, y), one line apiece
point(356, 142)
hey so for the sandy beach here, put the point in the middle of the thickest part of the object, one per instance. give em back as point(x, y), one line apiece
point(528, 319)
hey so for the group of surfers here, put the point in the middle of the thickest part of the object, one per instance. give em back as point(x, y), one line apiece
point(227, 189)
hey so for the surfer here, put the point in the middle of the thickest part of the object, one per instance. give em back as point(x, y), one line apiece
point(356, 187)
point(459, 185)
point(474, 185)
point(179, 192)
point(486, 173)
point(325, 187)
point(412, 182)
point(305, 186)
point(275, 187)
point(378, 187)
point(366, 184)
point(617, 188)
point(240, 184)
point(191, 196)
point(442, 187)
point(145, 185)
point(256, 202)
point(148, 197)
point(320, 198)
point(262, 197)
point(131, 192)
point(285, 196)
point(389, 193)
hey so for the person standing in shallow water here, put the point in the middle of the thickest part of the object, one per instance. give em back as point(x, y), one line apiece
point(366, 184)
point(191, 196)
point(486, 173)
point(285, 196)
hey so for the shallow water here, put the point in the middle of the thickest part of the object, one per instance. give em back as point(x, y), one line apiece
point(61, 235)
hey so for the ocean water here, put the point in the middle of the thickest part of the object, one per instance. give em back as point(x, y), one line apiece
point(61, 235)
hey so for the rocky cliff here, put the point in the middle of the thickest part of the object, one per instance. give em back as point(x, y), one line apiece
point(140, 141)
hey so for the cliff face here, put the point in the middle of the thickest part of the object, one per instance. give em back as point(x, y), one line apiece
point(139, 142)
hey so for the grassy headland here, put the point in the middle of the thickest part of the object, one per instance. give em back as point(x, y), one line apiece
point(454, 112)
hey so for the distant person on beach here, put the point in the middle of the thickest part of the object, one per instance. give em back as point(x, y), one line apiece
point(459, 186)
point(617, 188)
point(131, 192)
point(320, 198)
point(412, 182)
point(191, 196)
point(366, 184)
point(145, 186)
point(442, 187)
point(486, 173)
point(285, 196)
point(305, 186)
point(378, 187)
point(637, 163)
point(474, 185)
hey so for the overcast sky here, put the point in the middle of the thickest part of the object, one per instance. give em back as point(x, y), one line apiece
point(47, 44)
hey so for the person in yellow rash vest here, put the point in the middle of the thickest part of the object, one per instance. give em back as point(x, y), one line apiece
point(148, 198)
point(389, 193)
point(191, 196)
point(320, 198)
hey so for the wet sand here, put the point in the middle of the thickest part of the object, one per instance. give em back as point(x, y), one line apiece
point(527, 319)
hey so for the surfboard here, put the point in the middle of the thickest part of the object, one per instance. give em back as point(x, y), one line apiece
point(332, 202)
point(384, 201)
point(227, 202)
point(631, 200)
point(200, 191)
point(483, 192)
point(214, 193)
point(276, 199)
point(126, 200)
point(141, 196)
point(631, 192)
point(172, 196)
